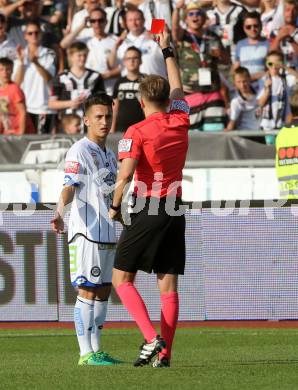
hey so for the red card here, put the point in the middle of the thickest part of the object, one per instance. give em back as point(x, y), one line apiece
point(157, 26)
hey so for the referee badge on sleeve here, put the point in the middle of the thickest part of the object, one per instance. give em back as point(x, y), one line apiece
point(180, 105)
point(124, 145)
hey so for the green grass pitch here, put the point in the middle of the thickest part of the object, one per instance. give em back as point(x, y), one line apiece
point(204, 359)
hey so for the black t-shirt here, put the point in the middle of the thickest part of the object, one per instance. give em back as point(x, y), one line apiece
point(130, 111)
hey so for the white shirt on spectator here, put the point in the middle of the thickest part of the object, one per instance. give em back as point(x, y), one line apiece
point(35, 88)
point(78, 19)
point(244, 113)
point(8, 49)
point(99, 49)
point(152, 58)
point(161, 10)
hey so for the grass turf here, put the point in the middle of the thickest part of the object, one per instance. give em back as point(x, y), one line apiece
point(207, 359)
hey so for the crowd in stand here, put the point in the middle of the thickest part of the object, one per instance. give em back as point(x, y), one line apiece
point(238, 61)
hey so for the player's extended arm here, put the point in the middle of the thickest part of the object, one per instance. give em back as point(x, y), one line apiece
point(66, 197)
point(176, 89)
point(125, 175)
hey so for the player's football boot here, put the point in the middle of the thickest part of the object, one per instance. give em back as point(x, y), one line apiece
point(149, 350)
point(88, 360)
point(160, 363)
point(104, 359)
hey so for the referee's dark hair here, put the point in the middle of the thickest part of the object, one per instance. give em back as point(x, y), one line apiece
point(100, 98)
point(155, 89)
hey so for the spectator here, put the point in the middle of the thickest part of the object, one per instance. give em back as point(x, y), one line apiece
point(99, 46)
point(199, 51)
point(268, 12)
point(127, 110)
point(29, 10)
point(152, 59)
point(286, 38)
point(80, 16)
point(117, 20)
point(71, 124)
point(72, 87)
point(274, 92)
point(225, 19)
point(7, 45)
point(34, 70)
point(245, 112)
point(251, 51)
point(13, 117)
point(55, 12)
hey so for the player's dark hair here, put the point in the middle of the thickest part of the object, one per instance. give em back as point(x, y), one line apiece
point(241, 71)
point(4, 61)
point(99, 9)
point(155, 89)
point(100, 98)
point(133, 48)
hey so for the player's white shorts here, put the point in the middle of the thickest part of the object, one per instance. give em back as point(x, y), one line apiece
point(91, 264)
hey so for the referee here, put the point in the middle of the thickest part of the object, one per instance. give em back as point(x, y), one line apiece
point(154, 152)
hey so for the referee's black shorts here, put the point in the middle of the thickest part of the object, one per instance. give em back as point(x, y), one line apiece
point(153, 242)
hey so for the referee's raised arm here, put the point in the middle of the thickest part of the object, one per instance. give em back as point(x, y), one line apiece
point(176, 89)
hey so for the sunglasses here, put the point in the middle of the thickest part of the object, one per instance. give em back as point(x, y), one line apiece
point(32, 32)
point(101, 20)
point(251, 26)
point(271, 64)
point(196, 13)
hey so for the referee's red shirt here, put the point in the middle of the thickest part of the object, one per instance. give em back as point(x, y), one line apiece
point(160, 144)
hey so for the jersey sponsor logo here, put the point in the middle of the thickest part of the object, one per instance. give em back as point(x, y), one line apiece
point(288, 155)
point(72, 167)
point(124, 145)
point(180, 105)
point(95, 271)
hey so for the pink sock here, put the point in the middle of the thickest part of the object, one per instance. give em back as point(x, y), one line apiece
point(169, 318)
point(135, 305)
